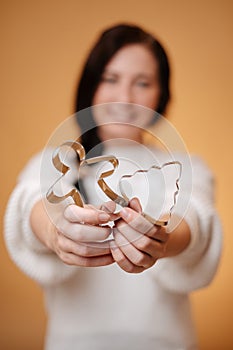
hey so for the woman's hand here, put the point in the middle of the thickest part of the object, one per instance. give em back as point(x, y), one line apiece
point(137, 244)
point(76, 236)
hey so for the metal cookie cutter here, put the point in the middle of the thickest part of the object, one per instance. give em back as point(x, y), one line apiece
point(121, 200)
point(148, 217)
point(81, 161)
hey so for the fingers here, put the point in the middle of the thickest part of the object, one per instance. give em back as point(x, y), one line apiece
point(79, 234)
point(136, 221)
point(89, 215)
point(135, 205)
point(83, 224)
point(109, 207)
point(142, 242)
point(142, 226)
point(82, 232)
point(124, 263)
point(134, 255)
point(72, 259)
point(89, 249)
point(137, 242)
point(91, 254)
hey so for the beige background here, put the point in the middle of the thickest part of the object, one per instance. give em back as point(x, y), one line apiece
point(43, 47)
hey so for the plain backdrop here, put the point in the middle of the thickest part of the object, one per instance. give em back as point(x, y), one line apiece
point(43, 46)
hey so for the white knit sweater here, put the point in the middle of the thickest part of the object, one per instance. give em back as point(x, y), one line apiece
point(105, 307)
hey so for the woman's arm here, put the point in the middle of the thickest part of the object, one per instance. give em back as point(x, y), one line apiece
point(178, 240)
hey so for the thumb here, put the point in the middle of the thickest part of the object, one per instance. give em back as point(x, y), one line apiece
point(135, 205)
point(110, 207)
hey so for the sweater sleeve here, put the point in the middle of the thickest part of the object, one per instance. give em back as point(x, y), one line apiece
point(196, 266)
point(29, 254)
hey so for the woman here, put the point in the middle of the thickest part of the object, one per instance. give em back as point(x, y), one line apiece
point(116, 306)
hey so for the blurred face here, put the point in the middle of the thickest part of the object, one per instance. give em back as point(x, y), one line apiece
point(131, 77)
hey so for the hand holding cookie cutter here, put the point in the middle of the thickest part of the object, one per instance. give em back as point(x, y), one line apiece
point(121, 200)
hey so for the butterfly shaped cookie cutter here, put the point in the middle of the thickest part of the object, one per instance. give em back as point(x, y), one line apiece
point(123, 200)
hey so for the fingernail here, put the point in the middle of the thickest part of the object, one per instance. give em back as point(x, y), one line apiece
point(104, 217)
point(124, 213)
point(103, 207)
